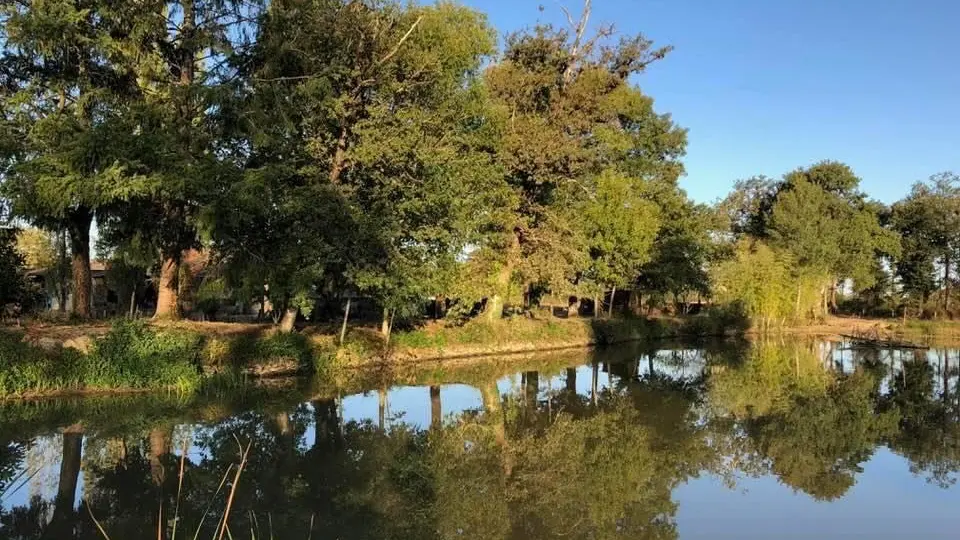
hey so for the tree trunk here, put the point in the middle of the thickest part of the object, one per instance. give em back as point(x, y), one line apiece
point(346, 317)
point(133, 301)
point(80, 222)
point(168, 290)
point(61, 273)
point(436, 412)
point(495, 302)
point(62, 524)
point(613, 295)
point(289, 319)
point(339, 157)
point(797, 309)
point(634, 302)
point(573, 308)
point(385, 323)
point(597, 306)
point(946, 285)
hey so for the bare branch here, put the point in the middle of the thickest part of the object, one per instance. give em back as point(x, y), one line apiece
point(402, 40)
point(579, 31)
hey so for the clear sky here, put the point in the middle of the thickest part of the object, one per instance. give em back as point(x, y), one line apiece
point(765, 86)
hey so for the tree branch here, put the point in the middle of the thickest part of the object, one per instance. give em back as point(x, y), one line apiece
point(402, 40)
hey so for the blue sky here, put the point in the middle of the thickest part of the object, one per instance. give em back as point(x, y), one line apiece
point(765, 86)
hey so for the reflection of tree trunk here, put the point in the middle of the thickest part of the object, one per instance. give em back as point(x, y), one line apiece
point(572, 380)
point(61, 526)
point(650, 366)
point(946, 373)
point(491, 406)
point(436, 413)
point(531, 387)
point(382, 394)
point(593, 383)
point(282, 422)
point(326, 428)
point(160, 439)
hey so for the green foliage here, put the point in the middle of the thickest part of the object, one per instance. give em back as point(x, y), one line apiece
point(131, 356)
point(620, 227)
point(134, 355)
point(16, 293)
point(927, 220)
point(762, 282)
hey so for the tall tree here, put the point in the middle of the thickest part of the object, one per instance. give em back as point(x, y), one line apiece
point(368, 154)
point(180, 53)
point(571, 112)
point(62, 96)
point(928, 220)
point(820, 217)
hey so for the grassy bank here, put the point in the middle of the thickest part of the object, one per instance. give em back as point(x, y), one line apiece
point(138, 356)
point(525, 334)
point(135, 356)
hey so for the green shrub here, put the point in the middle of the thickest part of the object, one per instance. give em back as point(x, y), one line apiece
point(134, 355)
point(250, 350)
point(25, 368)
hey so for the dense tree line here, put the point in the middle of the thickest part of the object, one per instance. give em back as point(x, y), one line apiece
point(314, 147)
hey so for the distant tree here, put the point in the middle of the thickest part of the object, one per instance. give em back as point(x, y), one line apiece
point(47, 252)
point(820, 218)
point(13, 284)
point(928, 220)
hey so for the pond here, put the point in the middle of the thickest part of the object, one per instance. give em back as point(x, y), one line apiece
point(772, 438)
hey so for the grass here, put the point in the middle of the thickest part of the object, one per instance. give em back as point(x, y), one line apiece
point(130, 356)
point(521, 331)
point(135, 355)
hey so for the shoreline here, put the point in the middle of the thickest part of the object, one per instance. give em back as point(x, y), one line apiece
point(438, 345)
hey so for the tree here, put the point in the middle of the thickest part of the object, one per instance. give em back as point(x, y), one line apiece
point(62, 100)
point(180, 55)
point(13, 285)
point(682, 250)
point(928, 220)
point(47, 252)
point(620, 229)
point(820, 218)
point(375, 132)
point(570, 112)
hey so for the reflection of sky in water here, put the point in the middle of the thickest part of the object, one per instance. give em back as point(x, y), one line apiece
point(887, 501)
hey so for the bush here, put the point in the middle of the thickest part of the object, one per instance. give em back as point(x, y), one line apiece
point(133, 355)
point(25, 368)
point(130, 356)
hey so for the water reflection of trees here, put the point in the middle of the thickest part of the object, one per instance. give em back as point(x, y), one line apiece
point(528, 464)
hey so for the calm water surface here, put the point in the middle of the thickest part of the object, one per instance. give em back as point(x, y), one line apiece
point(766, 440)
